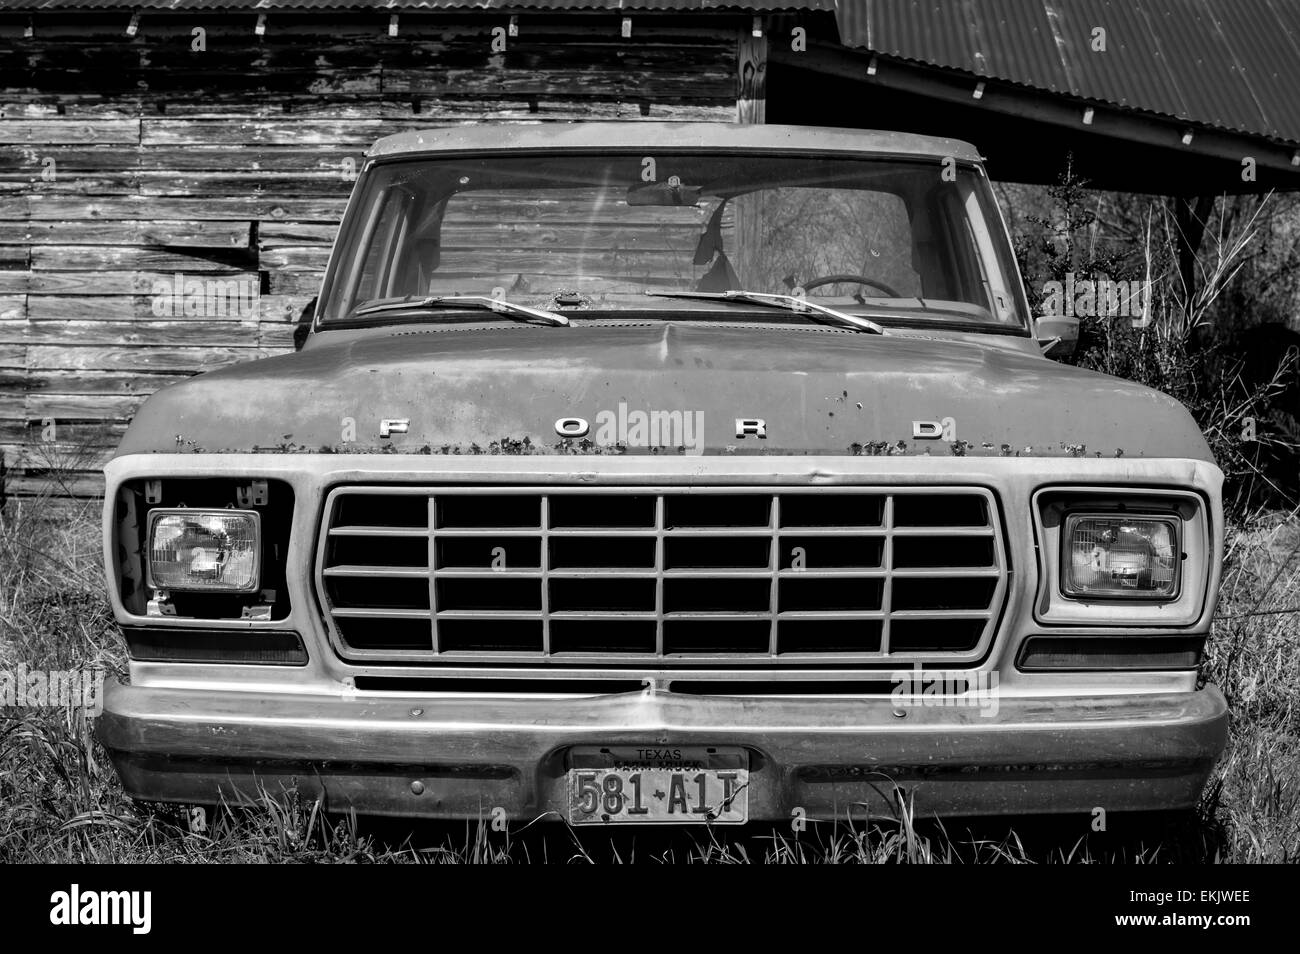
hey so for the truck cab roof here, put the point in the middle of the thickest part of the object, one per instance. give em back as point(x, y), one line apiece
point(649, 135)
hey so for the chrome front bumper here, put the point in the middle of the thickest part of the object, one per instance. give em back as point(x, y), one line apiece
point(463, 757)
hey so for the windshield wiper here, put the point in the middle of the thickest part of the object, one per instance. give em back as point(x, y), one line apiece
point(788, 302)
point(483, 302)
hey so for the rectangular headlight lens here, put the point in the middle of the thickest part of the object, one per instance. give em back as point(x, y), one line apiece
point(1116, 556)
point(207, 551)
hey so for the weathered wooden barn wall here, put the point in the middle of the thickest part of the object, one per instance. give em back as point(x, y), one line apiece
point(126, 160)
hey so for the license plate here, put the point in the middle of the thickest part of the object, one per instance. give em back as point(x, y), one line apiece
point(679, 785)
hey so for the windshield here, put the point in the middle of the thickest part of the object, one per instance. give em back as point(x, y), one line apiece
point(901, 241)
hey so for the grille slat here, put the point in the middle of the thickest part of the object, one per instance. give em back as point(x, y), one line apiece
point(378, 612)
point(420, 532)
point(385, 572)
point(663, 576)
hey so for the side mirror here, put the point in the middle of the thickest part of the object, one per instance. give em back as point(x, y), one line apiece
point(303, 328)
point(1057, 335)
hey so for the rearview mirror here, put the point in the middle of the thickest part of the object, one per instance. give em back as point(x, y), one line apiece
point(1057, 335)
point(671, 193)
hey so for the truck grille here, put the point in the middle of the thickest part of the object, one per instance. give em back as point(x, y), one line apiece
point(663, 576)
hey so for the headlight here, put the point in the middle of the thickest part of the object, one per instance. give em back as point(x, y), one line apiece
point(1116, 556)
point(206, 551)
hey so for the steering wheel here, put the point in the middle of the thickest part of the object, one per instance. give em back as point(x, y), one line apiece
point(854, 279)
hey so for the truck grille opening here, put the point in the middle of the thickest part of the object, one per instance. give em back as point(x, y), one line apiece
point(663, 577)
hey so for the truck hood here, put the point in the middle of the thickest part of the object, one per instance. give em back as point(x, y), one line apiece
point(662, 387)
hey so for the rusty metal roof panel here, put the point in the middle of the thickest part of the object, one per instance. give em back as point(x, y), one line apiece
point(1019, 37)
point(1265, 36)
point(896, 28)
point(1232, 64)
point(1204, 66)
point(1124, 64)
point(1007, 39)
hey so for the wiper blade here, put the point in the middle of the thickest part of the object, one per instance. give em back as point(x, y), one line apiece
point(483, 302)
point(788, 302)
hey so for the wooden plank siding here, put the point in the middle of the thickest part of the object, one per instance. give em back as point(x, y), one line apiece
point(128, 161)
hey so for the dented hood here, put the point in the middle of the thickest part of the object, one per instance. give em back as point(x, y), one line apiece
point(663, 387)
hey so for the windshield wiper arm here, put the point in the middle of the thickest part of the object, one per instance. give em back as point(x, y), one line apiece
point(483, 302)
point(789, 302)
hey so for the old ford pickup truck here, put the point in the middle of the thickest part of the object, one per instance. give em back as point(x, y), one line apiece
point(646, 473)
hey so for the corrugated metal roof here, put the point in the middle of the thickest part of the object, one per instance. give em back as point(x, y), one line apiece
point(1232, 64)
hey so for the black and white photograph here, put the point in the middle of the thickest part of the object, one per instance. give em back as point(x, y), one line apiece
point(650, 432)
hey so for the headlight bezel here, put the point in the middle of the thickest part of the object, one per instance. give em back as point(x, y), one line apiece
point(158, 513)
point(1192, 514)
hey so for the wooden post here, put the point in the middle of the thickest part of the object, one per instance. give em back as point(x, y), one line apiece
point(1191, 215)
point(751, 75)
